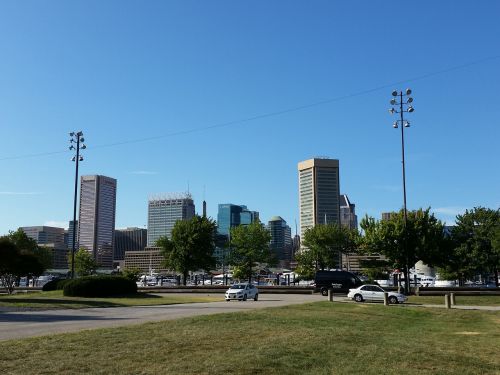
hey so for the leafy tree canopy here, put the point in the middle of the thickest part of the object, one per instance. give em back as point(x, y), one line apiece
point(422, 240)
point(249, 246)
point(191, 246)
point(27, 245)
point(14, 264)
point(325, 243)
point(85, 264)
point(476, 241)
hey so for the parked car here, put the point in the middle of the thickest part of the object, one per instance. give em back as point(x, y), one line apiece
point(339, 281)
point(242, 292)
point(374, 293)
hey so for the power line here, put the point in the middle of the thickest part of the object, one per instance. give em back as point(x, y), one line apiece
point(265, 115)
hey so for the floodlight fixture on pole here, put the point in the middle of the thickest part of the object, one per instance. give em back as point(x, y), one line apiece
point(404, 106)
point(76, 138)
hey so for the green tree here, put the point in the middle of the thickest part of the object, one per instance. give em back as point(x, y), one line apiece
point(327, 243)
point(14, 264)
point(191, 247)
point(476, 241)
point(375, 269)
point(28, 245)
point(133, 273)
point(85, 264)
point(422, 240)
point(249, 246)
point(305, 265)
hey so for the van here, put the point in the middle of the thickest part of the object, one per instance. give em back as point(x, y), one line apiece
point(339, 281)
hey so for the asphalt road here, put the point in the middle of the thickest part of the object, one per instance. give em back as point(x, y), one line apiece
point(21, 324)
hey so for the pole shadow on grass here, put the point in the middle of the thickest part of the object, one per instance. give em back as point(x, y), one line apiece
point(38, 303)
point(47, 318)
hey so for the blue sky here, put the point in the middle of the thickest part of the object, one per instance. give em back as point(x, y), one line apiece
point(173, 71)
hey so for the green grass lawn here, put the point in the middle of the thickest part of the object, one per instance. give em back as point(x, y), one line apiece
point(317, 338)
point(56, 300)
point(460, 300)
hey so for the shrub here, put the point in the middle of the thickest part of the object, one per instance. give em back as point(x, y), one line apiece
point(57, 284)
point(99, 286)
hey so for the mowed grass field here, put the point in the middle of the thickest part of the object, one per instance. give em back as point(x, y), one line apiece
point(56, 300)
point(484, 300)
point(315, 338)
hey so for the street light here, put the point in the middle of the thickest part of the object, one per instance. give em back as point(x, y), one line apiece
point(404, 106)
point(77, 139)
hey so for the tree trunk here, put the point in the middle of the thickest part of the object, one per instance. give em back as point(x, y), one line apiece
point(184, 277)
point(496, 278)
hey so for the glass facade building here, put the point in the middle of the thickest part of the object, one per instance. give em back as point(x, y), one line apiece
point(45, 235)
point(163, 213)
point(96, 224)
point(129, 239)
point(231, 215)
point(281, 238)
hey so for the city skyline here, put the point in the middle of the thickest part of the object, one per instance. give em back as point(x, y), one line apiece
point(170, 101)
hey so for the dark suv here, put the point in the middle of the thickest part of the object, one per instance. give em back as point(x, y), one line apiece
point(339, 281)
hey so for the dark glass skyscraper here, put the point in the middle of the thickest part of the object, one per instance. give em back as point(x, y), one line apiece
point(129, 239)
point(232, 215)
point(281, 238)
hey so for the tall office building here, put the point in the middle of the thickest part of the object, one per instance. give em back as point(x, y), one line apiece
point(68, 236)
point(319, 193)
point(281, 239)
point(129, 239)
point(232, 215)
point(45, 235)
point(348, 217)
point(164, 211)
point(52, 238)
point(96, 224)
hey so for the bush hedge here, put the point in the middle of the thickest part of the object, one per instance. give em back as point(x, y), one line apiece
point(57, 284)
point(99, 286)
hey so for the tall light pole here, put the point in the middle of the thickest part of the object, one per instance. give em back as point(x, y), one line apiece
point(403, 100)
point(76, 143)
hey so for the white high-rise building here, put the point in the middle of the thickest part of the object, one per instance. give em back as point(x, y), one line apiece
point(164, 211)
point(96, 223)
point(319, 193)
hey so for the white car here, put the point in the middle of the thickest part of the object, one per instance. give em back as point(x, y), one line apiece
point(242, 292)
point(374, 293)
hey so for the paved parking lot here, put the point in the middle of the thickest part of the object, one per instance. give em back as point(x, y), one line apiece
point(21, 324)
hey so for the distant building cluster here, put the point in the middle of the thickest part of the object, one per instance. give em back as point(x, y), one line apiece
point(320, 202)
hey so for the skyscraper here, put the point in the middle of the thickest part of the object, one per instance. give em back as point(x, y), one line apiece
point(96, 223)
point(52, 238)
point(164, 211)
point(281, 239)
point(232, 215)
point(129, 239)
point(45, 235)
point(69, 235)
point(319, 193)
point(348, 217)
